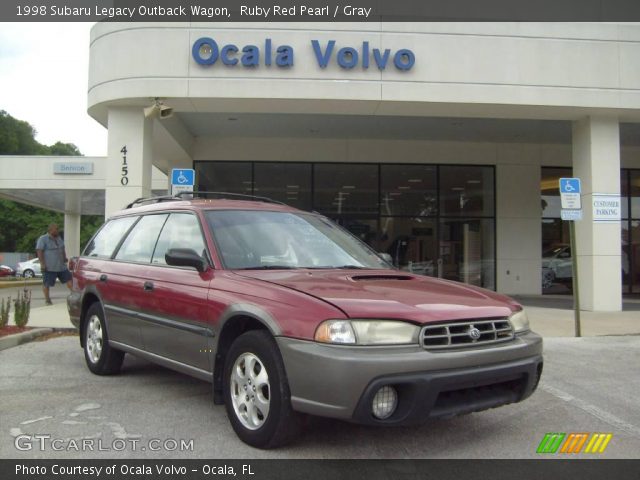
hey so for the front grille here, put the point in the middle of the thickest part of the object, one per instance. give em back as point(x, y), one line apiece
point(465, 334)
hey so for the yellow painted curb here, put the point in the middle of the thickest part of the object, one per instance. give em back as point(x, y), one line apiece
point(20, 283)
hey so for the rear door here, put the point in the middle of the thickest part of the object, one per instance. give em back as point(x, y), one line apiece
point(96, 272)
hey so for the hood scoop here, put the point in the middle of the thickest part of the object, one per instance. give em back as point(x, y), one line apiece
point(378, 277)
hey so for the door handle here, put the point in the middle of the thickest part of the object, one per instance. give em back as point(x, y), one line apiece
point(148, 286)
point(103, 278)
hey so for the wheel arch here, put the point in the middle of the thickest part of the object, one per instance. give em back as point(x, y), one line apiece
point(88, 299)
point(236, 320)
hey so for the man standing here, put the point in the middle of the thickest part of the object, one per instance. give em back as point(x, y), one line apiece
point(53, 260)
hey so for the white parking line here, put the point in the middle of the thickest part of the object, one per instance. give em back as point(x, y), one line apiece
point(27, 422)
point(593, 410)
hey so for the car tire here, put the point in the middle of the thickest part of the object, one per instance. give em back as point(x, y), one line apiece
point(101, 358)
point(254, 381)
point(28, 274)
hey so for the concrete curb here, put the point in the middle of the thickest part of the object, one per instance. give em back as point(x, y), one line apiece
point(19, 283)
point(23, 337)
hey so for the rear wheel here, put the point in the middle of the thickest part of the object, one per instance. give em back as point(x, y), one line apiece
point(100, 357)
point(256, 392)
point(28, 274)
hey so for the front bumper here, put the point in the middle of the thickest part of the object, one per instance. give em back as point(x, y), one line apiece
point(340, 381)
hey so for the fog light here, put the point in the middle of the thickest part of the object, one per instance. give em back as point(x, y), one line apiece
point(384, 403)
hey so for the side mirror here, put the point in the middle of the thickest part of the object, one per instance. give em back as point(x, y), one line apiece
point(185, 257)
point(386, 257)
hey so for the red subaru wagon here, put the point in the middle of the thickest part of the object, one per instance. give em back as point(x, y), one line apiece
point(286, 314)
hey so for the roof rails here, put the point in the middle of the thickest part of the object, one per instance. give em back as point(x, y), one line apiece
point(141, 200)
point(192, 195)
point(231, 196)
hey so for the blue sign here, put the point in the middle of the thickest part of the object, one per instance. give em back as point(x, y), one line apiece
point(569, 185)
point(206, 52)
point(183, 177)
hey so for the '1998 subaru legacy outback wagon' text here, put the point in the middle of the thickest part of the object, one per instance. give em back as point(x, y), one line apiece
point(286, 313)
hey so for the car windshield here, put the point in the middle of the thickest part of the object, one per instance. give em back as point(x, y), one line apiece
point(255, 239)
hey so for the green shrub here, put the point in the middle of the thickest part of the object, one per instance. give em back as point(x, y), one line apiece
point(5, 308)
point(22, 308)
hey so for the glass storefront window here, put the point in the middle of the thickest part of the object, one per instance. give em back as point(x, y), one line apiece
point(411, 242)
point(624, 193)
point(467, 251)
point(635, 193)
point(550, 192)
point(286, 182)
point(408, 190)
point(554, 232)
point(626, 258)
point(466, 191)
point(231, 177)
point(633, 256)
point(434, 220)
point(345, 188)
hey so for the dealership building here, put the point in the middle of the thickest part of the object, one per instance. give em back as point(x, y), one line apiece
point(438, 143)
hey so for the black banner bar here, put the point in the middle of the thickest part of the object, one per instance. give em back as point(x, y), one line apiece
point(320, 10)
point(320, 469)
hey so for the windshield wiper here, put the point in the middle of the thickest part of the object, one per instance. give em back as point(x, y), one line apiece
point(268, 267)
point(340, 267)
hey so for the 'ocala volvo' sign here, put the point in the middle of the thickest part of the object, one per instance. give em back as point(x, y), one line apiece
point(207, 52)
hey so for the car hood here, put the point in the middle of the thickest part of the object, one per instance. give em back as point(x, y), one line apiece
point(391, 294)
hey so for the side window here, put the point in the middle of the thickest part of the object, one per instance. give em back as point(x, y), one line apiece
point(182, 230)
point(139, 244)
point(107, 239)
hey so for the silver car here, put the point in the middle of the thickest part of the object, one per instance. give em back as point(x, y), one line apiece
point(29, 269)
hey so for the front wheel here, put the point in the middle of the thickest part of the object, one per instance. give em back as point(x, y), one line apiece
point(100, 357)
point(256, 392)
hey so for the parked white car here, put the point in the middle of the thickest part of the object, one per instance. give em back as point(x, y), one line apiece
point(29, 269)
point(558, 260)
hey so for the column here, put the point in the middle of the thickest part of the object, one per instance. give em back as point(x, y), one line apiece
point(518, 228)
point(72, 220)
point(129, 157)
point(596, 161)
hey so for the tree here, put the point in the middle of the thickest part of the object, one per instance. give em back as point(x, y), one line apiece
point(20, 224)
point(60, 148)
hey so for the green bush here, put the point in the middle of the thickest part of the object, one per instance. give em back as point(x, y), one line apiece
point(5, 308)
point(22, 308)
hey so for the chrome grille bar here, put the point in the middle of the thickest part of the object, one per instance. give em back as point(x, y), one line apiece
point(467, 333)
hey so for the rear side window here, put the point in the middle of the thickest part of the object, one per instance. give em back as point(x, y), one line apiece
point(139, 244)
point(107, 239)
point(182, 230)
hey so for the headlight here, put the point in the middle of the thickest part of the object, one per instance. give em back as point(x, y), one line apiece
point(520, 322)
point(367, 332)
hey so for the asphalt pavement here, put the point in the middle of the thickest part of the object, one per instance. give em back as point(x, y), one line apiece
point(588, 385)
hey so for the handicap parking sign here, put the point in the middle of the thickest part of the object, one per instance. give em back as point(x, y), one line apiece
point(183, 177)
point(182, 180)
point(569, 185)
point(570, 194)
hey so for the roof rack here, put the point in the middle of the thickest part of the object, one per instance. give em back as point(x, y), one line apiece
point(191, 195)
point(141, 200)
point(229, 195)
